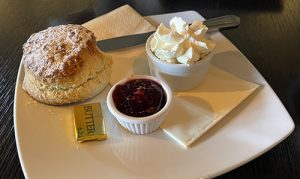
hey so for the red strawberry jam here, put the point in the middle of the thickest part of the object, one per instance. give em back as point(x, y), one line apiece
point(139, 97)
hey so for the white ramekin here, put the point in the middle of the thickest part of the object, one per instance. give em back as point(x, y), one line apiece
point(180, 77)
point(141, 125)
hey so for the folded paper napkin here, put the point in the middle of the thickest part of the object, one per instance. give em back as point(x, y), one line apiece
point(195, 111)
point(119, 22)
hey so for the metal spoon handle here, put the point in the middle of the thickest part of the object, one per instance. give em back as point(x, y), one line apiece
point(222, 22)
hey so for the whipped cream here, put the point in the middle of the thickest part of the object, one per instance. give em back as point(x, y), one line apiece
point(181, 43)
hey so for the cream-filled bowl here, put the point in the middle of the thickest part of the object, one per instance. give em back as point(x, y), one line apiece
point(121, 94)
point(180, 77)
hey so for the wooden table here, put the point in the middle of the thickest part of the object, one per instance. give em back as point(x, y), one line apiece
point(269, 36)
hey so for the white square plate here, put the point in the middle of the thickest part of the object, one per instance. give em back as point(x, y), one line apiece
point(47, 148)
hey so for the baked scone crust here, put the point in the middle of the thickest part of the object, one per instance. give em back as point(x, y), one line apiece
point(63, 65)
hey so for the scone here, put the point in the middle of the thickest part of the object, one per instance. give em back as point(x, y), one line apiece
point(63, 65)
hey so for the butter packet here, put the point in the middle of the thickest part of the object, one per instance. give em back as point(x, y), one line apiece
point(89, 122)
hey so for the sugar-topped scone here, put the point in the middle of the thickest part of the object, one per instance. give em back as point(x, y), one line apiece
point(63, 65)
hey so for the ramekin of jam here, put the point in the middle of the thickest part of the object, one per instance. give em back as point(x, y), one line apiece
point(140, 103)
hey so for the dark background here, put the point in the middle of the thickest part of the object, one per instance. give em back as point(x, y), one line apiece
point(269, 36)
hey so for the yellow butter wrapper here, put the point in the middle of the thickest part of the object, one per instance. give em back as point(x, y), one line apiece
point(89, 123)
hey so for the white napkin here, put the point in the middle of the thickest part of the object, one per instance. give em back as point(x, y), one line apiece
point(119, 22)
point(196, 111)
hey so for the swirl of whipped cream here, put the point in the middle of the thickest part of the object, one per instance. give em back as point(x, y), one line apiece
point(181, 43)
